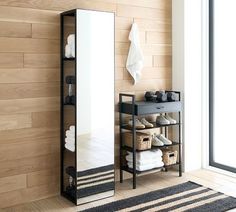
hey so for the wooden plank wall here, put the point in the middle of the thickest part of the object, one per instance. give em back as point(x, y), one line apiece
point(29, 83)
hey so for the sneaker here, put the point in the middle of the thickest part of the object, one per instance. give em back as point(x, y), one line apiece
point(146, 123)
point(172, 121)
point(162, 120)
point(165, 140)
point(138, 124)
point(156, 141)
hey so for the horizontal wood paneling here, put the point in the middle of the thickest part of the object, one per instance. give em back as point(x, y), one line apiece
point(16, 121)
point(28, 90)
point(27, 15)
point(12, 29)
point(46, 119)
point(28, 149)
point(143, 12)
point(28, 194)
point(27, 165)
point(42, 177)
point(160, 61)
point(29, 105)
point(12, 183)
point(11, 60)
point(28, 45)
point(49, 31)
point(41, 61)
point(158, 38)
point(30, 75)
point(61, 5)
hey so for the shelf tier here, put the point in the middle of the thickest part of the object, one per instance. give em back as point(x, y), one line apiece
point(130, 149)
point(70, 59)
point(130, 170)
point(155, 125)
point(68, 104)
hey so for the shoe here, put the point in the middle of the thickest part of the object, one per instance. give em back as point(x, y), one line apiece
point(172, 121)
point(138, 124)
point(162, 120)
point(156, 141)
point(146, 123)
point(164, 140)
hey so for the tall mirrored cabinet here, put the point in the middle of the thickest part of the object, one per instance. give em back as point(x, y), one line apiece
point(87, 105)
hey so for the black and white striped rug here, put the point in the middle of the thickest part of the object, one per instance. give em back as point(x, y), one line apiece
point(95, 181)
point(188, 196)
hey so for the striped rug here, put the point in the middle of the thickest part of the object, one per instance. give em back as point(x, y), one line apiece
point(188, 196)
point(95, 181)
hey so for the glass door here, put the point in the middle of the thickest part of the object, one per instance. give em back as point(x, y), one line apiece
point(222, 39)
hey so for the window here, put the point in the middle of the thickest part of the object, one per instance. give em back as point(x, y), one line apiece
point(222, 110)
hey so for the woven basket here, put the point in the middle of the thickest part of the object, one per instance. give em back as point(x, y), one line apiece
point(143, 141)
point(169, 157)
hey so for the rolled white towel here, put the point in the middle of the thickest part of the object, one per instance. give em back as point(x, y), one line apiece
point(68, 51)
point(150, 154)
point(72, 128)
point(71, 39)
point(146, 161)
point(146, 167)
point(70, 133)
point(70, 147)
point(72, 50)
point(70, 141)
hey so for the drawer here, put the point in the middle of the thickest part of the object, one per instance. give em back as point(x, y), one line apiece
point(159, 108)
point(145, 108)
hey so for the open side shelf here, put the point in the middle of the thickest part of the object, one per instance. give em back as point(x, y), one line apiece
point(130, 170)
point(70, 59)
point(155, 125)
point(130, 149)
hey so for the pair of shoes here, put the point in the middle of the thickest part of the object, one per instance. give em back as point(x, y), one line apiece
point(143, 123)
point(165, 120)
point(160, 140)
point(161, 96)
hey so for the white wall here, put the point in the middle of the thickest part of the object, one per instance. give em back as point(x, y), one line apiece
point(187, 67)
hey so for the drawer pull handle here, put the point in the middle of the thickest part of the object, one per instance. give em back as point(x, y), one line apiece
point(160, 107)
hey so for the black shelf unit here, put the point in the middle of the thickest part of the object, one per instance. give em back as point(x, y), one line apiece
point(142, 108)
point(65, 154)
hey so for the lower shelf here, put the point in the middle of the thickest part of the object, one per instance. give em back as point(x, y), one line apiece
point(130, 149)
point(127, 169)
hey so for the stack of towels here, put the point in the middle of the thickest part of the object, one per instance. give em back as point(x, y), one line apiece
point(146, 160)
point(70, 46)
point(70, 139)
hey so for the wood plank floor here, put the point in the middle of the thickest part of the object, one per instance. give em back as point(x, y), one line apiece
point(146, 183)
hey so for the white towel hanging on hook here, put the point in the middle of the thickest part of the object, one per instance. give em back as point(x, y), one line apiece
point(134, 62)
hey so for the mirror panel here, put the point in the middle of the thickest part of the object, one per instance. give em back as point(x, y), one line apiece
point(95, 105)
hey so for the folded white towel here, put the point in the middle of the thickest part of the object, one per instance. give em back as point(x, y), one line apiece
point(146, 167)
point(69, 140)
point(143, 162)
point(70, 133)
point(146, 155)
point(70, 147)
point(72, 128)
